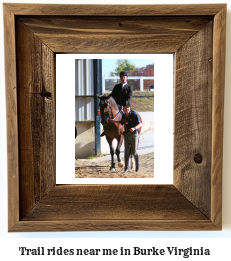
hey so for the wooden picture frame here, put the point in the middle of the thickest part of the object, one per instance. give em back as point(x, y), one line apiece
point(33, 34)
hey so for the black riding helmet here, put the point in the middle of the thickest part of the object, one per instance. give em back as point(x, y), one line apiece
point(123, 73)
point(127, 104)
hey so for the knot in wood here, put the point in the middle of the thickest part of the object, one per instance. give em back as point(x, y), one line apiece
point(198, 158)
point(45, 94)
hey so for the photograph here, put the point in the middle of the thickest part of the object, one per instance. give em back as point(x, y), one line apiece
point(114, 118)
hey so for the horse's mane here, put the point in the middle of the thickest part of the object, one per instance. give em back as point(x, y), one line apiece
point(113, 103)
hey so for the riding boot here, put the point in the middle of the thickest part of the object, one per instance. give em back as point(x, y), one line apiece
point(137, 162)
point(126, 169)
point(102, 134)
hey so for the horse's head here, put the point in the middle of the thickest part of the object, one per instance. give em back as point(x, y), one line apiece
point(105, 109)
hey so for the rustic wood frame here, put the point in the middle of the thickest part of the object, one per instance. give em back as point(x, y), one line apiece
point(33, 34)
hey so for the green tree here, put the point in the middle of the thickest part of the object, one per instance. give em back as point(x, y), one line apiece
point(123, 65)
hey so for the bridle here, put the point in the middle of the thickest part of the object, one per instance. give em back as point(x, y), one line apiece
point(109, 112)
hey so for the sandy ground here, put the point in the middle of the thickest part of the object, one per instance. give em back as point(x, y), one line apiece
point(94, 168)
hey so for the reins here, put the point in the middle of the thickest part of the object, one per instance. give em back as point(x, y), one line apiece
point(116, 115)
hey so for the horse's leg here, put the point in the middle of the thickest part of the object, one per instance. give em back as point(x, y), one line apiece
point(120, 162)
point(112, 154)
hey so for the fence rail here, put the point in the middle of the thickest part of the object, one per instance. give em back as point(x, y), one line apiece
point(141, 78)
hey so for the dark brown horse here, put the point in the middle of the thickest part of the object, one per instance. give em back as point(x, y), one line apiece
point(111, 121)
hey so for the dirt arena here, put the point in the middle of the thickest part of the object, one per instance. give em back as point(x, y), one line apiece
point(94, 168)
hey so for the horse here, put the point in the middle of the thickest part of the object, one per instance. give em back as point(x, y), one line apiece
point(111, 121)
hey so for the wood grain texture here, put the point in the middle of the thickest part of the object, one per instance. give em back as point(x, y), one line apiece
point(11, 116)
point(193, 113)
point(218, 114)
point(114, 225)
point(194, 201)
point(114, 10)
point(114, 207)
point(35, 66)
point(103, 34)
point(113, 202)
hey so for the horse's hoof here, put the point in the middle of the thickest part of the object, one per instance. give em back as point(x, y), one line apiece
point(112, 168)
point(120, 164)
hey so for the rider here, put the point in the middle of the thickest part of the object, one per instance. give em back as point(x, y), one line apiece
point(121, 93)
